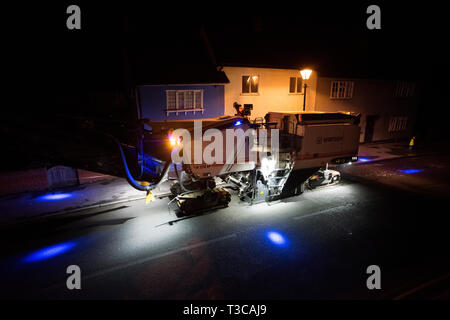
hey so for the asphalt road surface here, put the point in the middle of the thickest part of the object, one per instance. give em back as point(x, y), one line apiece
point(314, 246)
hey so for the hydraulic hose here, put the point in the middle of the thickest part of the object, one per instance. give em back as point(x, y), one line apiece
point(132, 181)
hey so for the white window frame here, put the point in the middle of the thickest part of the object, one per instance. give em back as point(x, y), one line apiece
point(347, 89)
point(404, 89)
point(259, 85)
point(398, 123)
point(185, 110)
point(296, 86)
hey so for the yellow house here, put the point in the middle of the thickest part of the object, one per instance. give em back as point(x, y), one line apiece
point(388, 107)
point(268, 89)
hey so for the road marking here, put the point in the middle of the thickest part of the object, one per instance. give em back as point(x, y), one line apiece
point(158, 256)
point(334, 208)
point(422, 286)
point(321, 212)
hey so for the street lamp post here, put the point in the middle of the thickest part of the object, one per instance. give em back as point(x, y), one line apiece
point(306, 73)
point(304, 96)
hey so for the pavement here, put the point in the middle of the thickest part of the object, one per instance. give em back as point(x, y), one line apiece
point(317, 245)
point(21, 207)
point(378, 151)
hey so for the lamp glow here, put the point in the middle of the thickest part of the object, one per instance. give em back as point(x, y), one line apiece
point(49, 252)
point(54, 196)
point(411, 170)
point(276, 238)
point(174, 141)
point(306, 73)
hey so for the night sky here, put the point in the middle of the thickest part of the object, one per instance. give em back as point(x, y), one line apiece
point(330, 36)
point(67, 92)
point(44, 59)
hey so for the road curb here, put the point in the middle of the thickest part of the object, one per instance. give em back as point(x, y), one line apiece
point(396, 158)
point(70, 211)
point(104, 204)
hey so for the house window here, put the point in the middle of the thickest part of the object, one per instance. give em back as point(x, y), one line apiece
point(184, 101)
point(397, 124)
point(295, 85)
point(250, 84)
point(341, 89)
point(404, 89)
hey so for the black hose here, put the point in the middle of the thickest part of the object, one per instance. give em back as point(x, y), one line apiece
point(135, 184)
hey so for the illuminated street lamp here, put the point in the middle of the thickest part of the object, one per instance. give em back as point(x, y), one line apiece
point(306, 73)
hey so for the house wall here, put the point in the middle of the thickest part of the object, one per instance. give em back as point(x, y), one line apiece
point(273, 90)
point(153, 102)
point(370, 98)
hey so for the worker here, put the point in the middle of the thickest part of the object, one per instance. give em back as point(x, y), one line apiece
point(411, 143)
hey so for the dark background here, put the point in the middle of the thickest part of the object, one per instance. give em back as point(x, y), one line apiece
point(51, 73)
point(43, 54)
point(52, 76)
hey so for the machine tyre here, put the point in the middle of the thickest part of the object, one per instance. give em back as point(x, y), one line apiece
point(300, 189)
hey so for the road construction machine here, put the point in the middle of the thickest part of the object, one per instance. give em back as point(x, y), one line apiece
point(267, 160)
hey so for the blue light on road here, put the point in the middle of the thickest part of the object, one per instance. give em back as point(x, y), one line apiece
point(276, 238)
point(411, 170)
point(363, 159)
point(54, 196)
point(49, 252)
